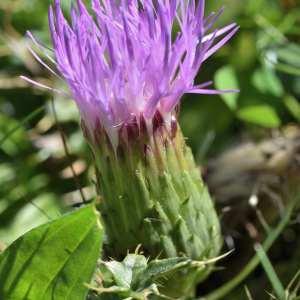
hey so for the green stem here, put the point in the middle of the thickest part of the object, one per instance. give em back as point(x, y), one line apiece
point(23, 122)
point(254, 262)
point(270, 272)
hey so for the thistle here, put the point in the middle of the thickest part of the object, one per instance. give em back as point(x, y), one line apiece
point(127, 69)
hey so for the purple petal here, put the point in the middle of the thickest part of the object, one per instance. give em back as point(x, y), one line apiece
point(124, 63)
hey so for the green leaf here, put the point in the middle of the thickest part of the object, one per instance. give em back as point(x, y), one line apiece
point(262, 115)
point(293, 106)
point(266, 81)
point(121, 274)
point(225, 79)
point(157, 269)
point(290, 54)
point(287, 58)
point(126, 272)
point(53, 261)
point(137, 278)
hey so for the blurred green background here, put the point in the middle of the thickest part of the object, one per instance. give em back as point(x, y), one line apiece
point(36, 179)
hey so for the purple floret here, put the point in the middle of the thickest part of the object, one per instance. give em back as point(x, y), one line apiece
point(125, 60)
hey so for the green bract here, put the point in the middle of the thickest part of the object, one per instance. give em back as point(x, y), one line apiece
point(152, 194)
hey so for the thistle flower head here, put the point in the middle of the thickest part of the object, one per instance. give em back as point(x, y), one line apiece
point(124, 60)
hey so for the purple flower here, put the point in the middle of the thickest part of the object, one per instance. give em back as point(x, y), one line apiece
point(125, 62)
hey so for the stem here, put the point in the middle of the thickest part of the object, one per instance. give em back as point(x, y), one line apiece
point(271, 273)
point(22, 122)
point(254, 262)
point(66, 149)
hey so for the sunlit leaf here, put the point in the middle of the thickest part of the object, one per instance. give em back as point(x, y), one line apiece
point(53, 261)
point(293, 106)
point(225, 79)
point(262, 115)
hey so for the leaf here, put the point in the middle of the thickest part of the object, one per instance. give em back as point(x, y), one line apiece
point(266, 81)
point(285, 58)
point(136, 263)
point(262, 115)
point(137, 278)
point(126, 271)
point(290, 54)
point(53, 261)
point(121, 274)
point(293, 106)
point(225, 79)
point(160, 268)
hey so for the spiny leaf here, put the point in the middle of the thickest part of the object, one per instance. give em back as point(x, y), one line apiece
point(160, 268)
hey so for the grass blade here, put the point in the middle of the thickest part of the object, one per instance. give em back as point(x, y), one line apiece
point(267, 265)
